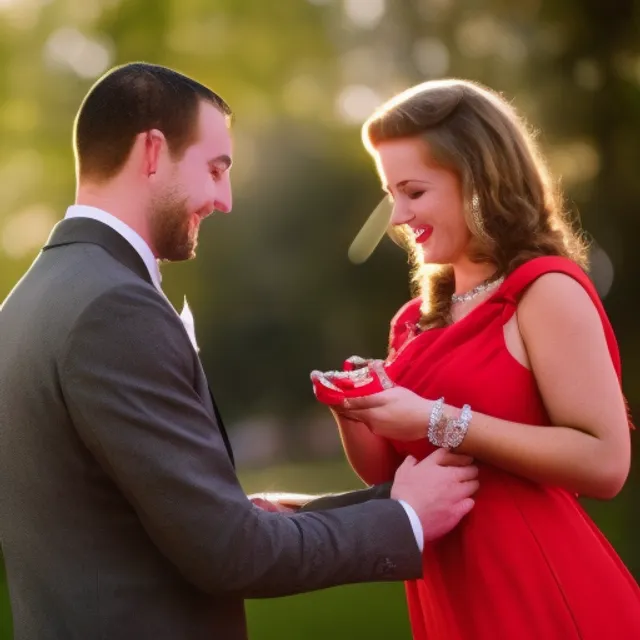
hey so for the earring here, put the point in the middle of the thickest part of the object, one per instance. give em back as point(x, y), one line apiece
point(476, 216)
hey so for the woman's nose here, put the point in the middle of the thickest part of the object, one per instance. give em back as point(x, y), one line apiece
point(400, 214)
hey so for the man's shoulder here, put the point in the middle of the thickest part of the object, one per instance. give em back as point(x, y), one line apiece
point(82, 273)
point(83, 282)
point(94, 265)
point(63, 281)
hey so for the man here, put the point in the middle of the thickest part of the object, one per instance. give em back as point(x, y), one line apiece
point(121, 516)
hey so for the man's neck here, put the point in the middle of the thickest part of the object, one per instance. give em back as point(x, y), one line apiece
point(120, 203)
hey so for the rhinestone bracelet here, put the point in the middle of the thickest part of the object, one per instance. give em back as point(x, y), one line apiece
point(457, 429)
point(435, 432)
point(448, 432)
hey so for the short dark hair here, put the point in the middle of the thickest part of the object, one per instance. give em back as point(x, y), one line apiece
point(129, 100)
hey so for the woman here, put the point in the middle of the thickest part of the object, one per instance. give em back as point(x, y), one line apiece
point(505, 354)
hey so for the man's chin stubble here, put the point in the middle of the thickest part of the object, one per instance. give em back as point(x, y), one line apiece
point(180, 254)
point(171, 251)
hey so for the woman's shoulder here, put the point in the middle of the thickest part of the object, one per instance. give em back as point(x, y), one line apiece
point(563, 298)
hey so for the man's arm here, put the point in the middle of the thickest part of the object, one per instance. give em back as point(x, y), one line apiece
point(128, 379)
point(295, 502)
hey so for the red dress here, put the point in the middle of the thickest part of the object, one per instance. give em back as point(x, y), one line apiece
point(527, 563)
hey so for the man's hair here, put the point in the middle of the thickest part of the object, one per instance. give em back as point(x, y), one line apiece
point(130, 100)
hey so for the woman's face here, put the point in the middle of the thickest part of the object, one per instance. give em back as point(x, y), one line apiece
point(426, 198)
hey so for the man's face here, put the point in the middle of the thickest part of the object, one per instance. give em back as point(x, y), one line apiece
point(199, 185)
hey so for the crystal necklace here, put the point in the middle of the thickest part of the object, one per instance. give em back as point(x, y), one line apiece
point(483, 287)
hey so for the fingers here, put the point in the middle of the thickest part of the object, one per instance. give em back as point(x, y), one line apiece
point(363, 402)
point(447, 458)
point(464, 506)
point(458, 511)
point(469, 488)
point(273, 507)
point(263, 504)
point(462, 491)
point(408, 463)
point(463, 474)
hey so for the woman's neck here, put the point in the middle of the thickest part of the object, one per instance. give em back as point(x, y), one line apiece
point(470, 274)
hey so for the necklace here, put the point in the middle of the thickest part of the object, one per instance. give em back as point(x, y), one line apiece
point(483, 287)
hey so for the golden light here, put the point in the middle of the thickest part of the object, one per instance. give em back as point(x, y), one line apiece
point(26, 231)
point(356, 103)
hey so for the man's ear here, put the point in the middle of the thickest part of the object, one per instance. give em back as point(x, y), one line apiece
point(154, 143)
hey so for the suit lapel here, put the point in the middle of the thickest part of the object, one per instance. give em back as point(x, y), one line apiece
point(74, 230)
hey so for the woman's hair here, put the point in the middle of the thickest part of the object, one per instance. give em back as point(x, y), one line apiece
point(513, 210)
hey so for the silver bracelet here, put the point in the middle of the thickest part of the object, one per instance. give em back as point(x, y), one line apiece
point(457, 429)
point(448, 432)
point(435, 422)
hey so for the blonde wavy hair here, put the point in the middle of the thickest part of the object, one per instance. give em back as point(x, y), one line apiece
point(519, 213)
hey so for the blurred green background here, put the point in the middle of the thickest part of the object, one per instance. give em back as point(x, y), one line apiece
point(272, 291)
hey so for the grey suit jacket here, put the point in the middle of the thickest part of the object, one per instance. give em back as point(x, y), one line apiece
point(121, 517)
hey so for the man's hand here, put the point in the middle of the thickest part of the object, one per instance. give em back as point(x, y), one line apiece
point(439, 489)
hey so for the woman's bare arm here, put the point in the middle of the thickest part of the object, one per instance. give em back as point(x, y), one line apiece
point(588, 449)
point(371, 457)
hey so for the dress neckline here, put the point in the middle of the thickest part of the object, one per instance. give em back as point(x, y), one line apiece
point(414, 333)
point(474, 311)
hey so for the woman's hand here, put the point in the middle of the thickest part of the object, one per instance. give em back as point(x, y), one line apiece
point(270, 504)
point(396, 413)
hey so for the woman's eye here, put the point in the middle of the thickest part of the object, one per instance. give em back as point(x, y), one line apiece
point(414, 195)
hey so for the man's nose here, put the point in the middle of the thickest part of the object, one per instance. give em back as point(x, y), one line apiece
point(224, 200)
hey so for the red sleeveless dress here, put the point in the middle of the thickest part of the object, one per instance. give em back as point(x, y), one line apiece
point(527, 563)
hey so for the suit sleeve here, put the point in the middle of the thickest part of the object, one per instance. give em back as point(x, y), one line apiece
point(127, 374)
point(336, 500)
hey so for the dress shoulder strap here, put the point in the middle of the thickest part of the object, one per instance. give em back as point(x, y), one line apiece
point(526, 274)
point(519, 280)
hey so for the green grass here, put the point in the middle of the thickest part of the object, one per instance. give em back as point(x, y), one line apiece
point(374, 612)
point(5, 611)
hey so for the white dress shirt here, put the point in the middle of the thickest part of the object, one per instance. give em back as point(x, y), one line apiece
point(134, 239)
